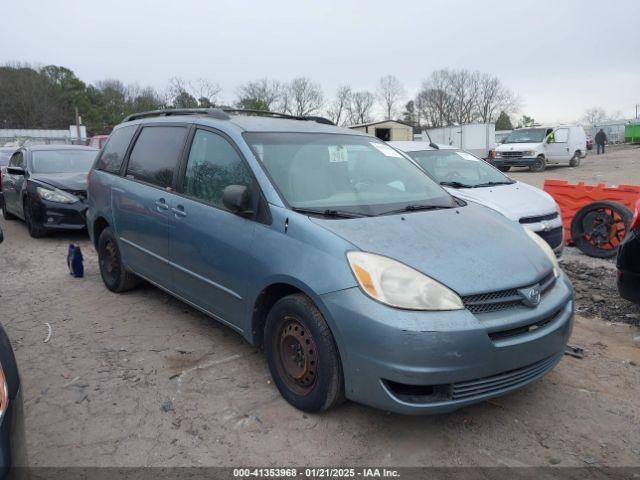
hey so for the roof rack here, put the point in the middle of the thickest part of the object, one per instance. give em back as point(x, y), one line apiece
point(222, 114)
point(267, 113)
point(212, 112)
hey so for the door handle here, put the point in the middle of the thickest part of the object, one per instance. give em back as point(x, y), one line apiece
point(161, 204)
point(179, 212)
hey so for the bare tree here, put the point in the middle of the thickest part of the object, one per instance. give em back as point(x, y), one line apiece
point(493, 98)
point(262, 94)
point(594, 115)
point(184, 94)
point(435, 99)
point(305, 97)
point(360, 107)
point(338, 110)
point(390, 92)
point(206, 92)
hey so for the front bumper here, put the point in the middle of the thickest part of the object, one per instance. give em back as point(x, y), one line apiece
point(514, 161)
point(59, 216)
point(434, 362)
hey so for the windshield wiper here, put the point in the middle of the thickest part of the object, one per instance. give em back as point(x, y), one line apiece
point(456, 185)
point(415, 208)
point(330, 212)
point(491, 184)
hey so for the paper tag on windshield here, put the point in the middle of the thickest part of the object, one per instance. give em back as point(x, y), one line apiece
point(468, 156)
point(386, 150)
point(338, 154)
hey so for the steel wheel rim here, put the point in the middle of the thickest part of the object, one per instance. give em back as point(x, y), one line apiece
point(604, 228)
point(297, 356)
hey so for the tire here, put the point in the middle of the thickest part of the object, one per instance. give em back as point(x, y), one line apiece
point(504, 168)
point(575, 160)
point(302, 355)
point(5, 214)
point(114, 275)
point(539, 166)
point(35, 230)
point(598, 228)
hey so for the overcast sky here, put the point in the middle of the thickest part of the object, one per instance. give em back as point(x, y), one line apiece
point(561, 57)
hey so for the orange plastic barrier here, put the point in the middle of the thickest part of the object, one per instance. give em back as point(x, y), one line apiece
point(572, 197)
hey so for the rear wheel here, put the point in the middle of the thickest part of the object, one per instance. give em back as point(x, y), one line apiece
point(504, 168)
point(115, 277)
point(599, 228)
point(35, 230)
point(539, 165)
point(302, 355)
point(575, 160)
point(6, 215)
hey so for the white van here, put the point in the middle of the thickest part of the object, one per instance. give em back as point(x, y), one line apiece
point(539, 146)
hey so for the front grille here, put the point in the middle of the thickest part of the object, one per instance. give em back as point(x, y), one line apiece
point(514, 332)
point(502, 381)
point(81, 194)
point(511, 154)
point(539, 218)
point(503, 299)
point(553, 237)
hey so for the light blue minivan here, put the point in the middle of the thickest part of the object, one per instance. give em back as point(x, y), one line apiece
point(358, 274)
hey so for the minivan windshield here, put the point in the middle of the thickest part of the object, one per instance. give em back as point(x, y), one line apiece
point(344, 173)
point(62, 161)
point(458, 169)
point(526, 135)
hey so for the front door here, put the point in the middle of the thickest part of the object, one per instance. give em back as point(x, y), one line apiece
point(558, 148)
point(208, 245)
point(12, 185)
point(141, 209)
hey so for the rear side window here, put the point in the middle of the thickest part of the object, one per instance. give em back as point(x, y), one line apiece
point(155, 155)
point(113, 154)
point(213, 165)
point(562, 135)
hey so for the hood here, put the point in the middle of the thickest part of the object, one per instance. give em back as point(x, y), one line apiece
point(470, 249)
point(517, 147)
point(513, 201)
point(63, 181)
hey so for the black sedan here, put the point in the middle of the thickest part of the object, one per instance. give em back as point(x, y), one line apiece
point(629, 261)
point(46, 186)
point(12, 440)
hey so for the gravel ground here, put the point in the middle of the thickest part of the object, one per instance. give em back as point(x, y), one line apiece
point(141, 379)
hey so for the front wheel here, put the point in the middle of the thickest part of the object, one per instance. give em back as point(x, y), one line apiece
point(575, 160)
point(35, 230)
point(115, 277)
point(539, 165)
point(302, 355)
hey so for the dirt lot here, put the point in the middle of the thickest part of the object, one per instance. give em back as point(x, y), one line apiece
point(141, 379)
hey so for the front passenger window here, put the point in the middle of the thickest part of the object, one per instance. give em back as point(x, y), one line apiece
point(17, 160)
point(213, 165)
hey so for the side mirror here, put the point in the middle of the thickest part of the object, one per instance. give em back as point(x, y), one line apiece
point(237, 199)
point(15, 170)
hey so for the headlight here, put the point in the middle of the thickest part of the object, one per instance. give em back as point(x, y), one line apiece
point(529, 153)
point(546, 249)
point(55, 195)
point(397, 285)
